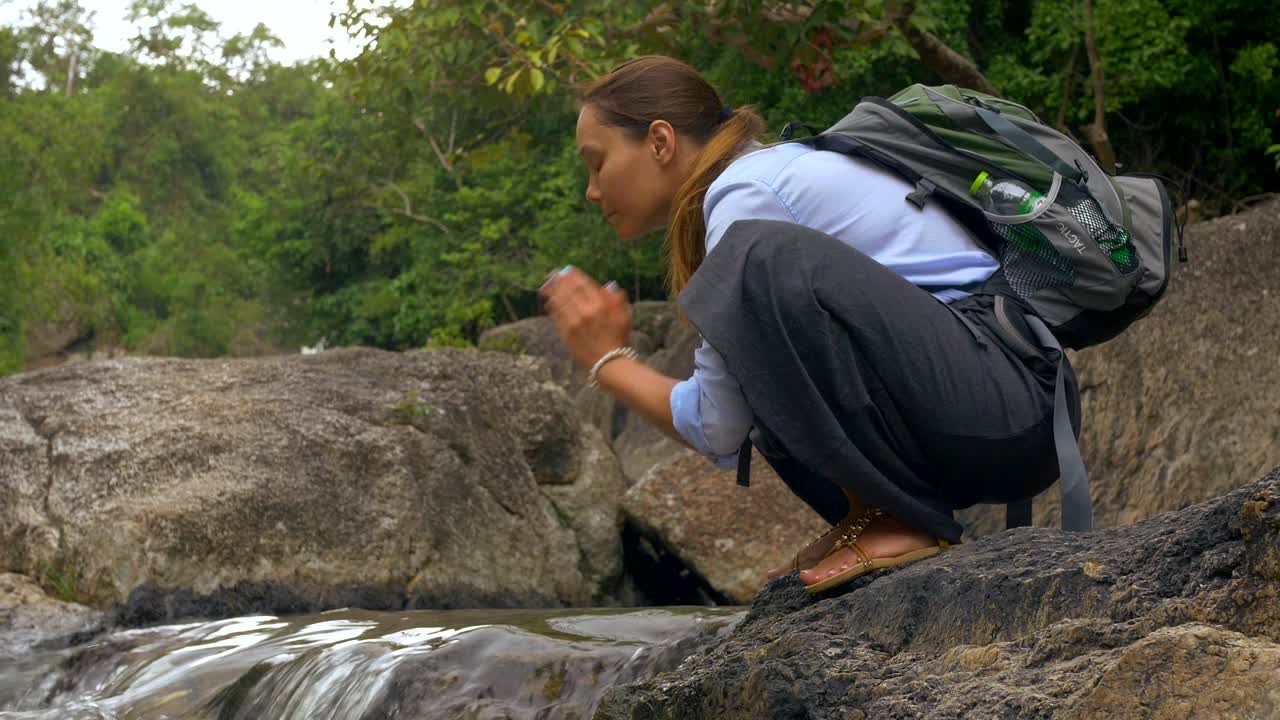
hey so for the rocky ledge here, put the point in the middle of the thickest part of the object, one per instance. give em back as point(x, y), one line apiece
point(170, 488)
point(1174, 617)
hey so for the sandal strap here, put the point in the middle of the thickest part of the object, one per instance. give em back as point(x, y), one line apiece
point(795, 559)
point(850, 537)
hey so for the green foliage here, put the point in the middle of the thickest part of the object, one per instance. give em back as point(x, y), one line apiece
point(511, 344)
point(63, 582)
point(411, 409)
point(193, 198)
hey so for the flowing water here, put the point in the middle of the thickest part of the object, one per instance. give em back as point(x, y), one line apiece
point(351, 664)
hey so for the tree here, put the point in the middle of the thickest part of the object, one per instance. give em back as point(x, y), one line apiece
point(58, 38)
point(183, 37)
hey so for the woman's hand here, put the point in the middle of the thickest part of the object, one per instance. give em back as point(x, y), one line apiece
point(591, 320)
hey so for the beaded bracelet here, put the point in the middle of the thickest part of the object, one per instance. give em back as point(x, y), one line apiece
point(623, 351)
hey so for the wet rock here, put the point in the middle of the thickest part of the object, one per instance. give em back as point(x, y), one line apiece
point(438, 478)
point(365, 665)
point(1176, 616)
point(30, 618)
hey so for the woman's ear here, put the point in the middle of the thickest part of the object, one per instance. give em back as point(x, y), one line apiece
point(661, 142)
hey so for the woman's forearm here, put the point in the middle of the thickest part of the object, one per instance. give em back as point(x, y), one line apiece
point(643, 390)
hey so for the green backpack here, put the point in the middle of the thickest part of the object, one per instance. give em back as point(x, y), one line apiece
point(1089, 260)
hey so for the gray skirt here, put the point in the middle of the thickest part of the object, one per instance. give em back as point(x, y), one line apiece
point(858, 379)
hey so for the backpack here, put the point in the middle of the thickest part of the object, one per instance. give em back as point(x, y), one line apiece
point(1100, 246)
point(1088, 262)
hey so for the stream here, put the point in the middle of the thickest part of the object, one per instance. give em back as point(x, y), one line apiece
point(360, 665)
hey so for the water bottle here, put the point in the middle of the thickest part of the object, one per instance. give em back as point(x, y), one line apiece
point(1005, 196)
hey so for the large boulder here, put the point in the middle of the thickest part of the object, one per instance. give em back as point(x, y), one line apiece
point(727, 535)
point(352, 477)
point(1185, 404)
point(1174, 617)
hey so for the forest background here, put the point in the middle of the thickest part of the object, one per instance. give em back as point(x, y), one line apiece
point(192, 197)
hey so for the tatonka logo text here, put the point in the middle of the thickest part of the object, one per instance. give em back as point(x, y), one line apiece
point(1071, 237)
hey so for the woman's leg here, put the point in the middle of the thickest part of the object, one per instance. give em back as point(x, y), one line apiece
point(869, 384)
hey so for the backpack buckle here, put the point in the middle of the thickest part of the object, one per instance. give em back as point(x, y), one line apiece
point(924, 188)
point(1083, 181)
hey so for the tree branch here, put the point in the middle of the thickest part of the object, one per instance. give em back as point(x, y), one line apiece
point(949, 65)
point(407, 210)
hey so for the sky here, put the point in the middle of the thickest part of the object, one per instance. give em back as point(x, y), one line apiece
point(303, 25)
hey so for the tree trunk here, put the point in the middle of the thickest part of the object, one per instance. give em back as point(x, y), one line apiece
point(1069, 77)
point(71, 71)
point(949, 65)
point(1096, 131)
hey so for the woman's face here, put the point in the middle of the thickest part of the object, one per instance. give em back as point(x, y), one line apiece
point(632, 181)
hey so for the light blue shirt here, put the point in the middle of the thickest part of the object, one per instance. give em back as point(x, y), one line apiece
point(851, 199)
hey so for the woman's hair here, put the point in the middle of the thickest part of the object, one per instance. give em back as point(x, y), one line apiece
point(655, 87)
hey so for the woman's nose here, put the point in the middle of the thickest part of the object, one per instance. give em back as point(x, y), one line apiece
point(593, 193)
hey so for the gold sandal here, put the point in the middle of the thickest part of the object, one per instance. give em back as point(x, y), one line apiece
point(795, 561)
point(867, 564)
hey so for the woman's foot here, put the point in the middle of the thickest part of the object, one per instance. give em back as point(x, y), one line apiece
point(811, 554)
point(883, 537)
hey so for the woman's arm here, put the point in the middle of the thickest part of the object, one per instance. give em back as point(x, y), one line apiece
point(643, 390)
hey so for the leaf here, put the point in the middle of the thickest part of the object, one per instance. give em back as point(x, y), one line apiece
point(536, 79)
point(491, 75)
point(510, 85)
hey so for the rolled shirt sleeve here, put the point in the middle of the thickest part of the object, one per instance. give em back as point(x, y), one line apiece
point(709, 409)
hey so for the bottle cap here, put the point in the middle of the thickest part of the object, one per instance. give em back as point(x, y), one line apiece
point(982, 176)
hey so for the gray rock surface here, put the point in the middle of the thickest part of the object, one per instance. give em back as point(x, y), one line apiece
point(728, 535)
point(353, 477)
point(30, 618)
point(1174, 617)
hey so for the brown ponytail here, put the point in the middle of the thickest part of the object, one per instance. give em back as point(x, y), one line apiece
point(655, 87)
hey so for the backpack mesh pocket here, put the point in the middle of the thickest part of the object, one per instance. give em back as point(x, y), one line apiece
point(1029, 261)
point(1114, 240)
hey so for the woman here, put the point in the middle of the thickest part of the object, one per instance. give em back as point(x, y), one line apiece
point(844, 328)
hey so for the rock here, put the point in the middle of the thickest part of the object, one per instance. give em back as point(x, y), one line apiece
point(728, 535)
point(30, 619)
point(590, 507)
point(537, 336)
point(1182, 406)
point(1173, 617)
point(351, 477)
